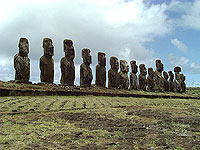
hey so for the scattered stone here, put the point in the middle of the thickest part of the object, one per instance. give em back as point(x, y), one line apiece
point(142, 77)
point(123, 75)
point(101, 70)
point(133, 76)
point(47, 62)
point(113, 75)
point(22, 62)
point(85, 69)
point(67, 64)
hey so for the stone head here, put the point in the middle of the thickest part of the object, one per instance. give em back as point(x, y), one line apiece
point(87, 58)
point(165, 75)
point(124, 67)
point(69, 49)
point(171, 75)
point(177, 69)
point(143, 69)
point(151, 72)
point(159, 66)
point(23, 47)
point(102, 59)
point(134, 67)
point(114, 63)
point(48, 47)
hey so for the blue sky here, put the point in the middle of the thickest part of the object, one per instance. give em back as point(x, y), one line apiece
point(129, 29)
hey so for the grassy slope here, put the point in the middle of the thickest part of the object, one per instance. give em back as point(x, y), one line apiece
point(98, 123)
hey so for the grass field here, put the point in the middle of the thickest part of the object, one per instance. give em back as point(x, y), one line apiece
point(89, 122)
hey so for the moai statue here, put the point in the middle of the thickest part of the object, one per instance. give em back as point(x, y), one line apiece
point(171, 81)
point(67, 64)
point(183, 85)
point(166, 82)
point(113, 74)
point(22, 62)
point(85, 70)
point(150, 80)
point(133, 76)
point(123, 75)
point(159, 80)
point(101, 70)
point(47, 62)
point(177, 80)
point(142, 77)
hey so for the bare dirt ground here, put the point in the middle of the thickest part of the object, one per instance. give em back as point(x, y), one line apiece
point(90, 122)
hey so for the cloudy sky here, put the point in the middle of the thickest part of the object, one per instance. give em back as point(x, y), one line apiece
point(141, 30)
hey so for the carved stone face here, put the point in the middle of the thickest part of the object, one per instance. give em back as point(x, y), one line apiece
point(102, 59)
point(171, 75)
point(114, 63)
point(23, 47)
point(87, 58)
point(134, 67)
point(177, 69)
point(124, 67)
point(69, 49)
point(165, 75)
point(159, 66)
point(143, 69)
point(48, 47)
point(151, 72)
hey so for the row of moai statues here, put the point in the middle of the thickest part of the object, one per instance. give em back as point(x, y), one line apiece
point(116, 79)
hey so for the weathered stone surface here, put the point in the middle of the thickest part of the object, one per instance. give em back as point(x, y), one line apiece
point(47, 62)
point(177, 69)
point(159, 80)
point(166, 82)
point(123, 75)
point(177, 81)
point(113, 74)
point(133, 76)
point(101, 70)
point(171, 81)
point(22, 62)
point(150, 80)
point(142, 77)
point(85, 70)
point(183, 85)
point(67, 64)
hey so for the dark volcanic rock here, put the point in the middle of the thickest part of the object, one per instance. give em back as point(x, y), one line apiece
point(67, 64)
point(47, 62)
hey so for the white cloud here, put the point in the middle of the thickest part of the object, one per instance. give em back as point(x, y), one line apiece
point(177, 60)
point(180, 45)
point(189, 12)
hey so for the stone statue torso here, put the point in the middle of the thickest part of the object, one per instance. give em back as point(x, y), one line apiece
point(85, 75)
point(124, 80)
point(22, 67)
point(47, 69)
point(113, 79)
point(100, 76)
point(67, 71)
